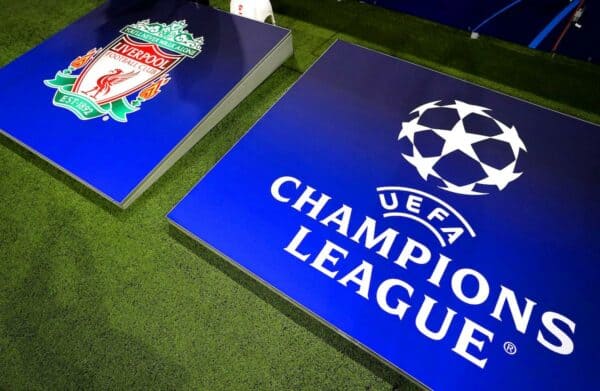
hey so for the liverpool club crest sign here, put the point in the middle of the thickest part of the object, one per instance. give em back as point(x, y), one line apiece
point(101, 82)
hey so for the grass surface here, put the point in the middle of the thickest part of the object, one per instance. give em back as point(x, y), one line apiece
point(94, 297)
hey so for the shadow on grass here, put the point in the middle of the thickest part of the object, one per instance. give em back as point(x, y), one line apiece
point(300, 317)
point(61, 176)
point(58, 332)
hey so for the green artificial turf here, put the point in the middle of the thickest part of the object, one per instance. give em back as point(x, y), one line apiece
point(92, 297)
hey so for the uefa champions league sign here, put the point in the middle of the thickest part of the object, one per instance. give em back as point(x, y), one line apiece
point(434, 222)
point(437, 216)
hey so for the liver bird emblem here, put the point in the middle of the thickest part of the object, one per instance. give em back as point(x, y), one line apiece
point(105, 83)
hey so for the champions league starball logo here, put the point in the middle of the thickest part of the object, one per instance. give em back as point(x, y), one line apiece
point(462, 147)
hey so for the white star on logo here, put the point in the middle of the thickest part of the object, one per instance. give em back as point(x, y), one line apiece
point(423, 108)
point(510, 136)
point(500, 178)
point(410, 128)
point(424, 165)
point(459, 140)
point(465, 190)
point(464, 109)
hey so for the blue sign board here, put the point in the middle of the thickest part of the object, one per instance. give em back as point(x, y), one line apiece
point(447, 228)
point(110, 98)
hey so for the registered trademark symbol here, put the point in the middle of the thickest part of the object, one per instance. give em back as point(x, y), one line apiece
point(510, 348)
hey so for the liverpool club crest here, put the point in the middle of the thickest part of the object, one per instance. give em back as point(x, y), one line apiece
point(137, 62)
